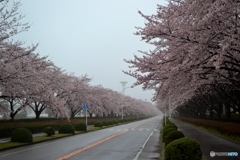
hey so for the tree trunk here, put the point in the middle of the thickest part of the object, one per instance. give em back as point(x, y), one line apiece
point(219, 111)
point(228, 112)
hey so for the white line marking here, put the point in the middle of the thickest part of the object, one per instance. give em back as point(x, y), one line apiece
point(141, 149)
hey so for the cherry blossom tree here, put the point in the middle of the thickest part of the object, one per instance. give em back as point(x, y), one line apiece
point(76, 93)
point(10, 20)
point(196, 44)
point(15, 71)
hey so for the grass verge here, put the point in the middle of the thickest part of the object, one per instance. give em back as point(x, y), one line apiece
point(7, 145)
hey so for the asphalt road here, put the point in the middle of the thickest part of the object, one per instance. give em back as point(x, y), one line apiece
point(133, 141)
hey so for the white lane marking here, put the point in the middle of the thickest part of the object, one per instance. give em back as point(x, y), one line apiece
point(141, 149)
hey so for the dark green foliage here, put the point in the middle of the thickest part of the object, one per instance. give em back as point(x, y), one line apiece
point(167, 120)
point(110, 122)
point(67, 128)
point(49, 130)
point(98, 124)
point(173, 136)
point(125, 120)
point(183, 149)
point(6, 132)
point(22, 135)
point(105, 123)
point(115, 122)
point(170, 125)
point(166, 131)
point(80, 126)
point(130, 119)
point(121, 121)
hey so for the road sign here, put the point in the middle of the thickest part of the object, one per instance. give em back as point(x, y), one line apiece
point(85, 106)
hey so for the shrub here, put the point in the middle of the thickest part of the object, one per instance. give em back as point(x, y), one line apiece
point(22, 135)
point(183, 149)
point(173, 135)
point(115, 122)
point(121, 121)
point(130, 119)
point(166, 131)
point(80, 126)
point(170, 125)
point(110, 122)
point(66, 128)
point(98, 124)
point(49, 130)
point(105, 123)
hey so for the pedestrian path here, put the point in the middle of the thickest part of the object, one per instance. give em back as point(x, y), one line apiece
point(209, 143)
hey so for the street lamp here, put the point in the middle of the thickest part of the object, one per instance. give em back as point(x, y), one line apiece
point(123, 92)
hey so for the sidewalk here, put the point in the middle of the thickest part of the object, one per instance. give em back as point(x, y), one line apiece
point(208, 142)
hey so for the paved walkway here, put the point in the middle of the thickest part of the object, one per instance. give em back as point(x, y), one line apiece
point(209, 142)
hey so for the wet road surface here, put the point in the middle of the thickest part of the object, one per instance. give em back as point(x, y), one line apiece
point(137, 140)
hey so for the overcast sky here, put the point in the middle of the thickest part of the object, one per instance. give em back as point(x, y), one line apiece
point(90, 37)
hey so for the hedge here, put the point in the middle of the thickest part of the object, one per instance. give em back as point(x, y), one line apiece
point(80, 126)
point(22, 135)
point(173, 135)
point(183, 149)
point(67, 128)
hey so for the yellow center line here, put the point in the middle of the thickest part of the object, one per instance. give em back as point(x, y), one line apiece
point(96, 143)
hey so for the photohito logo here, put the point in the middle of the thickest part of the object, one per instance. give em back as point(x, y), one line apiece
point(213, 154)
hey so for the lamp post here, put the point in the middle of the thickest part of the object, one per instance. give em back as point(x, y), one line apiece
point(123, 92)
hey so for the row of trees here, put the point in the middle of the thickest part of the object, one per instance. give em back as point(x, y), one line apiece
point(29, 80)
point(195, 66)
